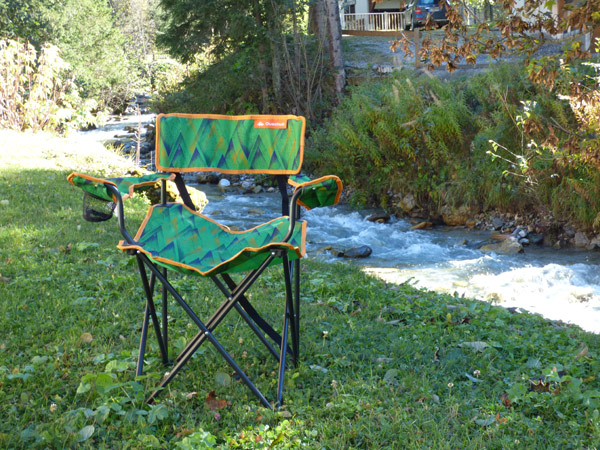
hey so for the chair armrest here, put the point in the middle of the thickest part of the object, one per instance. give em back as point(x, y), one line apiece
point(125, 185)
point(324, 191)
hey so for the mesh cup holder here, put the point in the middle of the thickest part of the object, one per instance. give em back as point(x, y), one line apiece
point(96, 209)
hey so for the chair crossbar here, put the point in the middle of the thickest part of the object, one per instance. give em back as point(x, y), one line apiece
point(252, 313)
point(233, 300)
point(252, 320)
point(152, 311)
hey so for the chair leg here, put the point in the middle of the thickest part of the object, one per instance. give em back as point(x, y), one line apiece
point(290, 308)
point(296, 311)
point(149, 289)
point(289, 314)
point(165, 317)
point(140, 363)
point(247, 282)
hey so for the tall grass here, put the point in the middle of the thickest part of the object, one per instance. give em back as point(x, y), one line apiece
point(493, 141)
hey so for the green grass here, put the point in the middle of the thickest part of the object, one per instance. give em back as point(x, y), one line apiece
point(383, 366)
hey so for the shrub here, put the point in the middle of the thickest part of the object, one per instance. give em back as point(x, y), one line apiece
point(493, 141)
point(37, 92)
point(400, 134)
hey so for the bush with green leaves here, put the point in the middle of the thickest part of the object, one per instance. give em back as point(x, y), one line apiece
point(492, 141)
point(228, 86)
point(404, 134)
point(38, 92)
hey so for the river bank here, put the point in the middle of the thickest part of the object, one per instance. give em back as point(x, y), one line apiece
point(560, 283)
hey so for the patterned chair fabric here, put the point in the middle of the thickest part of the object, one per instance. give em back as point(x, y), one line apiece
point(324, 191)
point(189, 242)
point(230, 144)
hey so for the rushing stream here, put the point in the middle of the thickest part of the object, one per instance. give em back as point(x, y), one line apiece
point(559, 284)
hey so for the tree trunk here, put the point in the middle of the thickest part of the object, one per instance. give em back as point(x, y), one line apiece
point(318, 24)
point(262, 68)
point(276, 73)
point(335, 44)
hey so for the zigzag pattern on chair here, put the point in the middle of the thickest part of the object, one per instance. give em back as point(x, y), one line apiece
point(188, 143)
point(324, 191)
point(125, 185)
point(190, 242)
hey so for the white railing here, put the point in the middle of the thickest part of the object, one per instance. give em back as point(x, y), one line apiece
point(373, 22)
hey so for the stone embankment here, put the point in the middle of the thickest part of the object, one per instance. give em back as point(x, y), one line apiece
point(512, 231)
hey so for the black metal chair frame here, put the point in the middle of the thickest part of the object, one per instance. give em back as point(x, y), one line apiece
point(235, 294)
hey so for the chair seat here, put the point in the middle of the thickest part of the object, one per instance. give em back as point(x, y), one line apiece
point(175, 236)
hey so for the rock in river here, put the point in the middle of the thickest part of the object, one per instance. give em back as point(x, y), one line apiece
point(379, 218)
point(357, 252)
point(506, 247)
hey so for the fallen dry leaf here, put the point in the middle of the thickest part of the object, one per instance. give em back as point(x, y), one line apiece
point(184, 432)
point(191, 395)
point(582, 353)
point(213, 402)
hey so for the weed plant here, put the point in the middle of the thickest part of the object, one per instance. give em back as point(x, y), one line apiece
point(382, 366)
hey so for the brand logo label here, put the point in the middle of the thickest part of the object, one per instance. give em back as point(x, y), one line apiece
point(270, 123)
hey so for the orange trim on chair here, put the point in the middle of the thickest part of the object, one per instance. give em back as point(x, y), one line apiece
point(131, 189)
point(88, 177)
point(318, 180)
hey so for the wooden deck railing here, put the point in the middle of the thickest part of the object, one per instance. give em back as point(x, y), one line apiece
point(374, 22)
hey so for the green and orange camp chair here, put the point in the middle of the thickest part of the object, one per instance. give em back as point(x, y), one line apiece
point(175, 237)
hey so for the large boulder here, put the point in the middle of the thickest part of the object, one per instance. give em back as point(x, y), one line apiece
point(408, 203)
point(198, 197)
point(581, 240)
point(357, 252)
point(455, 217)
point(510, 246)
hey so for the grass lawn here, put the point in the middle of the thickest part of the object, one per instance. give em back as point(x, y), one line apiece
point(383, 366)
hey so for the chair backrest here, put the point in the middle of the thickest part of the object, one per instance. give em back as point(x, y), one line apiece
point(230, 144)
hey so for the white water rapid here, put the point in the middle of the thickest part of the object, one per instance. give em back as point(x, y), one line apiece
point(558, 284)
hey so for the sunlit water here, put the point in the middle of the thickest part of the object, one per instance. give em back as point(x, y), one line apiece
point(114, 128)
point(559, 284)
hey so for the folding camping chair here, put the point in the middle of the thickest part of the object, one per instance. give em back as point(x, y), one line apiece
point(174, 237)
